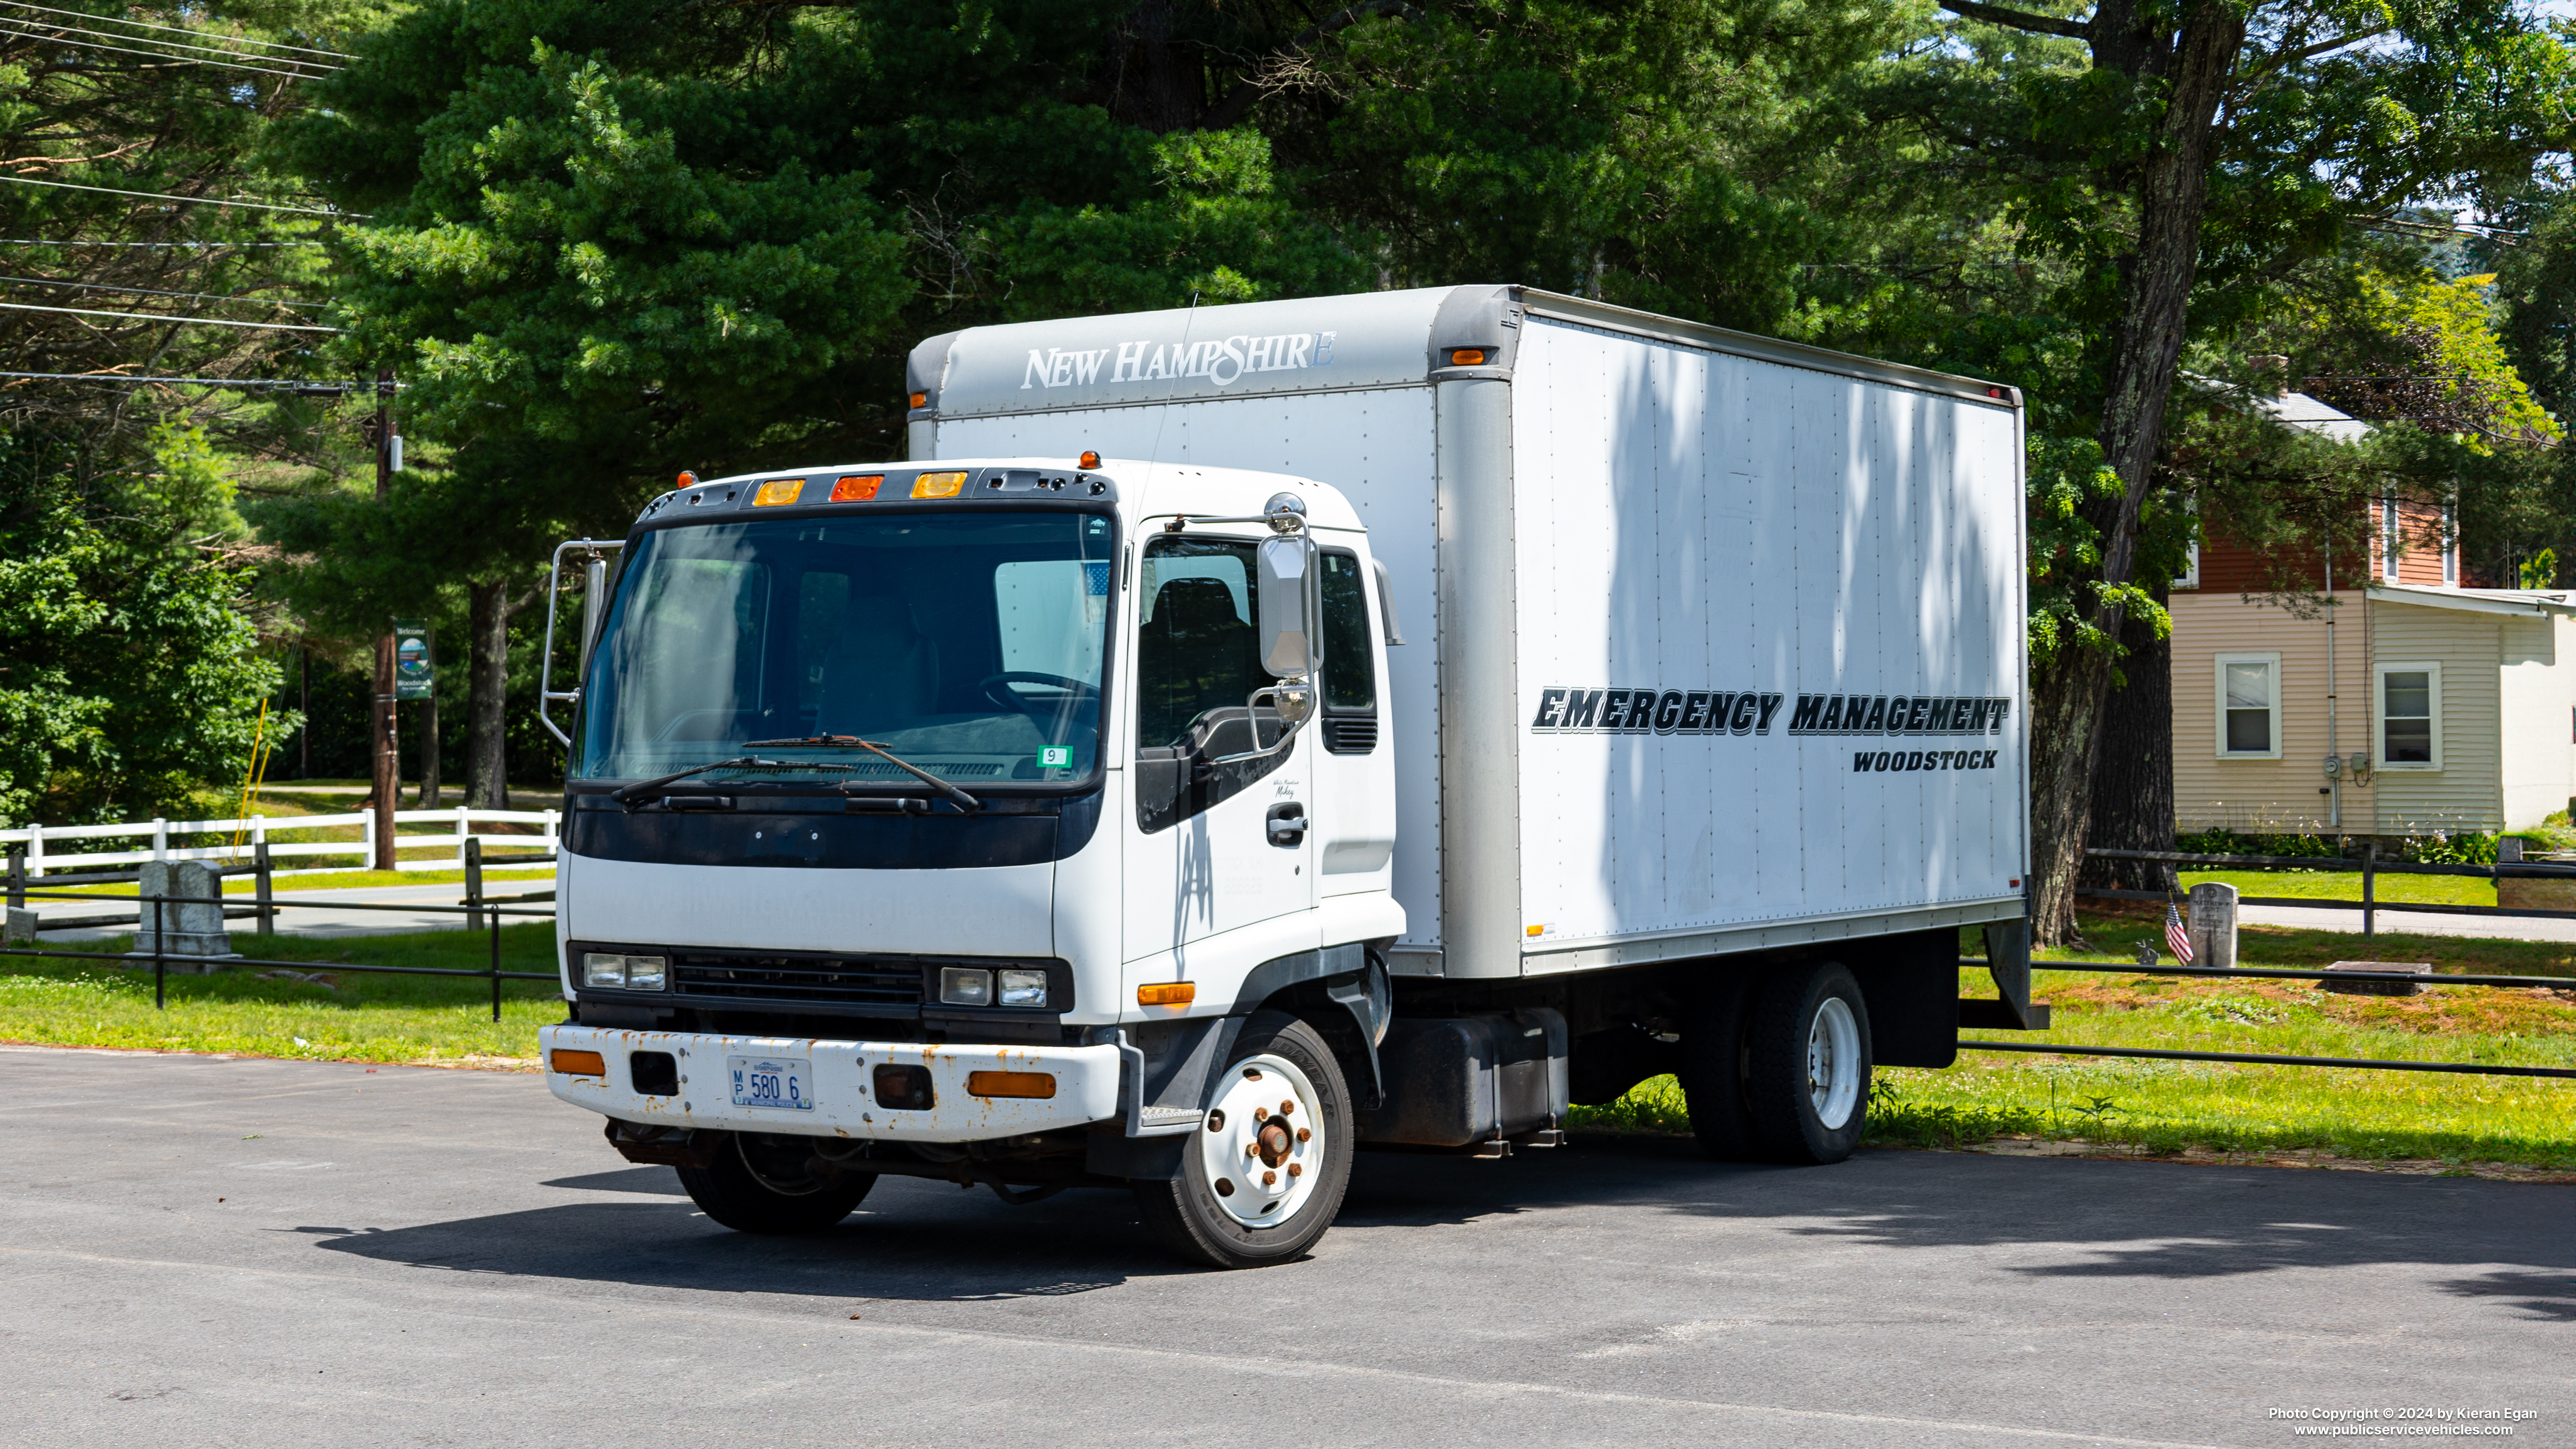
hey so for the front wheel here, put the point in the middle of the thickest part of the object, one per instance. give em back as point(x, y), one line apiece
point(1806, 1059)
point(1265, 1175)
point(766, 1183)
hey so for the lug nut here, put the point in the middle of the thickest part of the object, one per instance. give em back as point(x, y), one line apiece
point(1303, 1134)
point(1287, 1109)
point(1268, 1178)
point(1252, 1149)
point(1260, 1114)
point(1296, 1170)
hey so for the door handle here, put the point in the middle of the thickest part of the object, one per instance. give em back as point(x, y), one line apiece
point(1287, 825)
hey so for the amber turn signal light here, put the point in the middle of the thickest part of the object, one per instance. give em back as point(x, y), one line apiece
point(578, 1064)
point(1169, 993)
point(862, 489)
point(1089, 460)
point(921, 399)
point(1467, 357)
point(1010, 1084)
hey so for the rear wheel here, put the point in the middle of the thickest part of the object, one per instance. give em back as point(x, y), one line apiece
point(1807, 1065)
point(765, 1183)
point(1712, 1073)
point(1265, 1174)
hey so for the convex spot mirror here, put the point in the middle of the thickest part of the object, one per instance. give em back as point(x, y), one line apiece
point(1290, 603)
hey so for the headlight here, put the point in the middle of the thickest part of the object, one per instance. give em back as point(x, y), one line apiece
point(965, 986)
point(1024, 988)
point(627, 973)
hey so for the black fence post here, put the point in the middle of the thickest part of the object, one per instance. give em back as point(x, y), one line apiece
point(18, 879)
point(496, 965)
point(2369, 888)
point(266, 919)
point(160, 956)
point(474, 882)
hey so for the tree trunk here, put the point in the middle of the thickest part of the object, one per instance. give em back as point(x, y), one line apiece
point(2133, 789)
point(2069, 695)
point(487, 681)
point(429, 742)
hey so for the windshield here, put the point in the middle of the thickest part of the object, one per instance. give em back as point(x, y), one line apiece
point(969, 643)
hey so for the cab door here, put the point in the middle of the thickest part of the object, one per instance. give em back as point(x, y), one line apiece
point(1213, 850)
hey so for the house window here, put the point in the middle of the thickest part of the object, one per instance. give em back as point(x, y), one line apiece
point(2410, 716)
point(2249, 706)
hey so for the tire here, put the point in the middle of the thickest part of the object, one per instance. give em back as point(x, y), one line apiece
point(762, 1183)
point(1277, 1059)
point(1807, 1056)
point(1712, 1073)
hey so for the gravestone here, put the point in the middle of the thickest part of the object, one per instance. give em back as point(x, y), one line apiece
point(193, 935)
point(2210, 921)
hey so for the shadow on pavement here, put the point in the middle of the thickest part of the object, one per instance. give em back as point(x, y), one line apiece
point(918, 1240)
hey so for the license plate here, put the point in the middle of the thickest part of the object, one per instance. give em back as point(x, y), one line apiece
point(783, 1082)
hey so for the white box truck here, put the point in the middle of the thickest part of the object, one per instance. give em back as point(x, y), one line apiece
point(1248, 734)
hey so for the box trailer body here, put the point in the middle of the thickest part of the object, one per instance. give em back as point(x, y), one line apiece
point(1242, 734)
point(1610, 507)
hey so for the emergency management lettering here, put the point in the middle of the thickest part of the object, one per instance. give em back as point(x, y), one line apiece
point(1221, 361)
point(1570, 709)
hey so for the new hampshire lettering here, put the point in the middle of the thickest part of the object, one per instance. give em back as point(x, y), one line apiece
point(1221, 360)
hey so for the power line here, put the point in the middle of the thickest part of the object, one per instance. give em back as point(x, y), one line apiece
point(295, 382)
point(181, 29)
point(157, 292)
point(194, 200)
point(158, 42)
point(24, 34)
point(165, 317)
point(37, 241)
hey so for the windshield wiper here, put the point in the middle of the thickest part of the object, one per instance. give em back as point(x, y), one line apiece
point(963, 800)
point(627, 794)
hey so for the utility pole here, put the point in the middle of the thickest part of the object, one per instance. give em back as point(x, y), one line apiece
point(387, 762)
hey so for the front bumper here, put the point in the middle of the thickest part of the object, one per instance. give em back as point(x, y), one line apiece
point(1086, 1085)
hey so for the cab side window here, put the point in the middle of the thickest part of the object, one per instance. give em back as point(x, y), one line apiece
point(1350, 660)
point(1198, 660)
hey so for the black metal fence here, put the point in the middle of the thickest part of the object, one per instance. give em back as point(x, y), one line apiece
point(2370, 868)
point(477, 908)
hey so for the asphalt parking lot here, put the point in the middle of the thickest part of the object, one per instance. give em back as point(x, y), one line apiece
point(202, 1251)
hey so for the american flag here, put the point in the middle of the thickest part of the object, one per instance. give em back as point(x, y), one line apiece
point(2175, 935)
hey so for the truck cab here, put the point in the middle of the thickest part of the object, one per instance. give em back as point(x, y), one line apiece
point(1017, 821)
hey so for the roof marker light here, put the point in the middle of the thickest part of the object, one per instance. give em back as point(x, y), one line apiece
point(921, 399)
point(687, 478)
point(1088, 460)
point(938, 485)
point(861, 489)
point(1467, 357)
point(777, 491)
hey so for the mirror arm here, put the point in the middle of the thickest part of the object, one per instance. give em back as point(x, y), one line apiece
point(546, 692)
point(1288, 733)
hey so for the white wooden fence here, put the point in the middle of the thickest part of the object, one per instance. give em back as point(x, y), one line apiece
point(44, 843)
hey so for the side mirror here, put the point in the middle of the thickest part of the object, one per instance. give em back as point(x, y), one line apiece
point(1290, 604)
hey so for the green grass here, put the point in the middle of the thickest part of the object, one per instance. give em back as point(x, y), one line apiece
point(348, 1016)
point(2171, 1106)
point(2345, 885)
